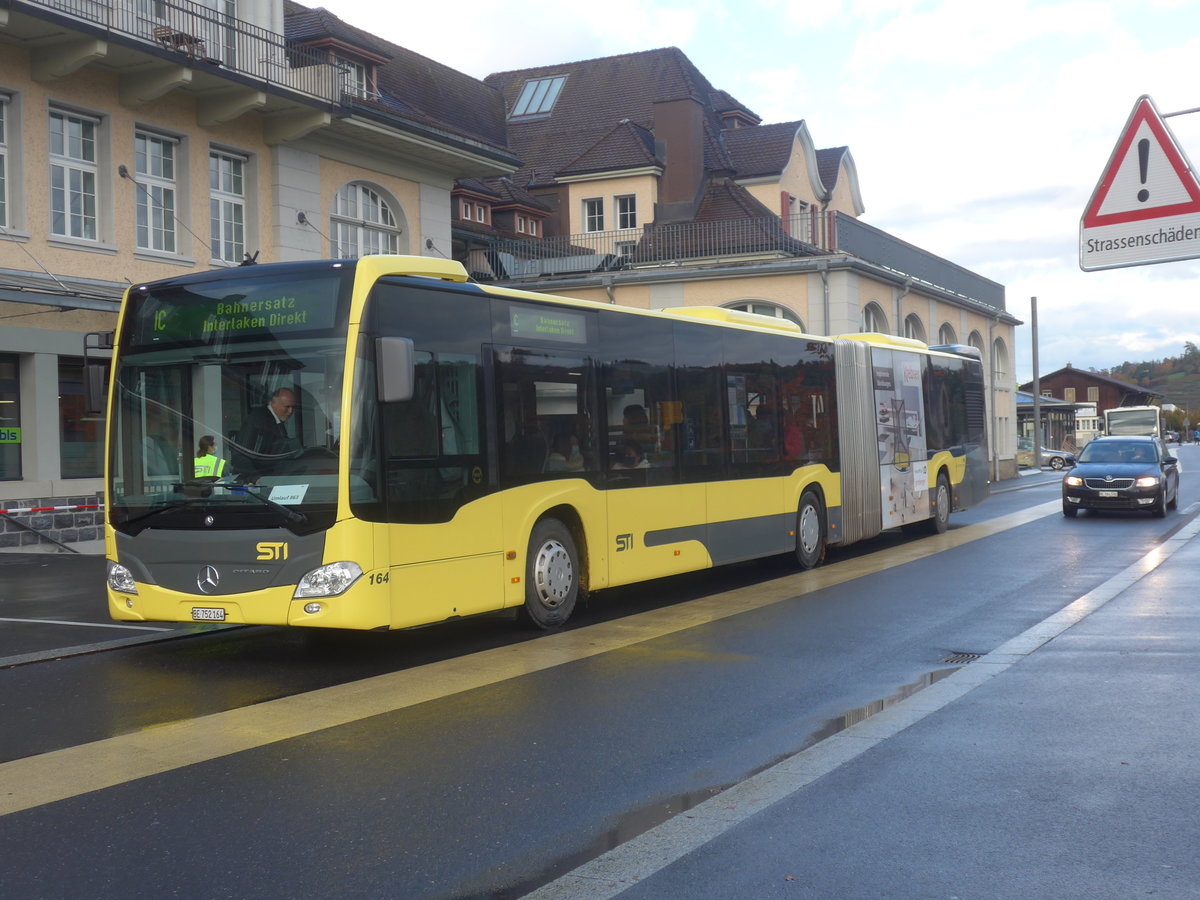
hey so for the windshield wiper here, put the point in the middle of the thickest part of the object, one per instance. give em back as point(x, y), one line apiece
point(150, 514)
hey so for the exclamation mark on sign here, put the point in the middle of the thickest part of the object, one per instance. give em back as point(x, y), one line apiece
point(1143, 165)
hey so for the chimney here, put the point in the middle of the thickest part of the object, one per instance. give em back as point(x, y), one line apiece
point(679, 141)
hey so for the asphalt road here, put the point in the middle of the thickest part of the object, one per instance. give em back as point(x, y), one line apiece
point(471, 760)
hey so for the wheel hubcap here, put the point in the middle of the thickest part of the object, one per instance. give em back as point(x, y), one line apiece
point(553, 574)
point(810, 532)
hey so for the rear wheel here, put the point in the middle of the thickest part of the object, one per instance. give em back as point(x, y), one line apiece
point(939, 506)
point(810, 530)
point(551, 576)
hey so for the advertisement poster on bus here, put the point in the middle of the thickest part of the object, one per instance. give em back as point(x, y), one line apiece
point(900, 425)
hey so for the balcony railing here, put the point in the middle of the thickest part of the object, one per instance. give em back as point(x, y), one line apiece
point(198, 33)
point(652, 245)
point(733, 240)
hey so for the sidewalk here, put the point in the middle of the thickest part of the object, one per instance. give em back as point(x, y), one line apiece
point(1062, 765)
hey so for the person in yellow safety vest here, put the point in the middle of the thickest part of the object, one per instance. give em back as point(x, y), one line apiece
point(208, 464)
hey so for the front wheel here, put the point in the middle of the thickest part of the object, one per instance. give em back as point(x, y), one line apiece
point(1057, 462)
point(939, 506)
point(810, 531)
point(551, 576)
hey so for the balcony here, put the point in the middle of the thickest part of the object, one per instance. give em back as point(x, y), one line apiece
point(197, 34)
point(732, 241)
point(690, 243)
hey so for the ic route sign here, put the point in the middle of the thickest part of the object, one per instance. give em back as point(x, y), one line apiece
point(1146, 207)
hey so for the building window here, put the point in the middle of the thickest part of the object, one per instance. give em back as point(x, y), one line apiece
point(873, 319)
point(362, 223)
point(73, 175)
point(154, 159)
point(357, 77)
point(533, 227)
point(913, 327)
point(10, 418)
point(81, 437)
point(480, 212)
point(946, 334)
point(538, 96)
point(999, 363)
point(1094, 394)
point(520, 224)
point(760, 308)
point(464, 210)
point(227, 205)
point(593, 215)
point(1069, 394)
point(627, 211)
point(3, 160)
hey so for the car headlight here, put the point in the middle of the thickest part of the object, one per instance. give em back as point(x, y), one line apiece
point(328, 581)
point(1147, 481)
point(121, 579)
point(1073, 481)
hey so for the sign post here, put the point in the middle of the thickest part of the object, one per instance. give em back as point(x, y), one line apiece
point(1146, 207)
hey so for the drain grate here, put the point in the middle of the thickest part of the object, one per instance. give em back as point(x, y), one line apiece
point(961, 659)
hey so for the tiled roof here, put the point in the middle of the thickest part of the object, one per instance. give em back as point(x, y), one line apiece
point(412, 86)
point(829, 163)
point(626, 146)
point(596, 96)
point(761, 149)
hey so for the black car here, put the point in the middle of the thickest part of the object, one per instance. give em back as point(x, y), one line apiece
point(1123, 472)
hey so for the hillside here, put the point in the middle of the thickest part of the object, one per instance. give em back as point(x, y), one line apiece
point(1176, 377)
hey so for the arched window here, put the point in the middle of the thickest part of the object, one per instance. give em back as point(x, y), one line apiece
point(999, 362)
point(873, 319)
point(946, 334)
point(976, 341)
point(362, 223)
point(763, 308)
point(913, 327)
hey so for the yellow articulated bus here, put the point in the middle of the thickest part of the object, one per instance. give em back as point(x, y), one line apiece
point(379, 444)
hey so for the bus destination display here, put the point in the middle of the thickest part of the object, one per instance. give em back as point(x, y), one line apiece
point(187, 317)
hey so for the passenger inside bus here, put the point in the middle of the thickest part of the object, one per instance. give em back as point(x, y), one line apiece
point(630, 456)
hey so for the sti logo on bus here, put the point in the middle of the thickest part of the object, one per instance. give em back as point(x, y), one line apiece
point(272, 550)
point(624, 542)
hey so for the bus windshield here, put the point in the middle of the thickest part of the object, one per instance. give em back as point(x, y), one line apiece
point(227, 401)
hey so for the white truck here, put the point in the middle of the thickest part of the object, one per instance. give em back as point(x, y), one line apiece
point(1134, 420)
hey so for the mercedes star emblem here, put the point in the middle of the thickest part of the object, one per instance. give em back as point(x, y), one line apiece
point(208, 579)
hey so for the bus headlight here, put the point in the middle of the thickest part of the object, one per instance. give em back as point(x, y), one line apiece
point(328, 581)
point(121, 579)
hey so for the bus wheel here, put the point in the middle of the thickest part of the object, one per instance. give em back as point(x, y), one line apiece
point(939, 506)
point(810, 531)
point(551, 576)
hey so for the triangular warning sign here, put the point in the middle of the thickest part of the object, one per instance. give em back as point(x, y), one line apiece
point(1147, 176)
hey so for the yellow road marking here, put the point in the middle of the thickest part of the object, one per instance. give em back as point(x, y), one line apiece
point(73, 771)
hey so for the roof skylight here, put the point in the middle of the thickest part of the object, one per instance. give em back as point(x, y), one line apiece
point(538, 96)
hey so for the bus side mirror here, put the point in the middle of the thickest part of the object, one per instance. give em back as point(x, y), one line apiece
point(395, 368)
point(94, 377)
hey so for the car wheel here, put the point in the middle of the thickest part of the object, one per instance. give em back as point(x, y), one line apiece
point(1174, 504)
point(552, 576)
point(810, 531)
point(1056, 462)
point(1160, 508)
point(1070, 511)
point(939, 506)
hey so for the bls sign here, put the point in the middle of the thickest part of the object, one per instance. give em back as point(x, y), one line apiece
point(272, 550)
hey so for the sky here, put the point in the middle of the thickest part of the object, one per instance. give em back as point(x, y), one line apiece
point(979, 129)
